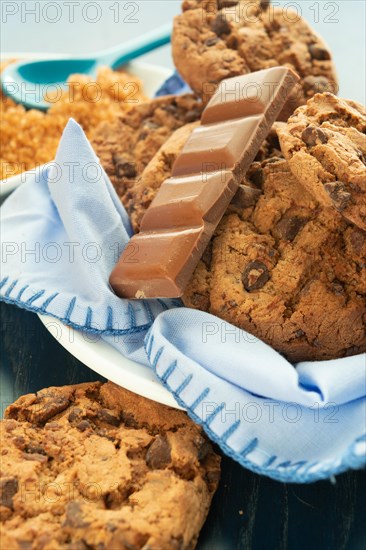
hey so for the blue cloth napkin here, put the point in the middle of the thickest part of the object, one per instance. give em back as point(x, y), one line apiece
point(62, 233)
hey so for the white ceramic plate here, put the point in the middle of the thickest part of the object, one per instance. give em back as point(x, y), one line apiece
point(98, 355)
point(152, 77)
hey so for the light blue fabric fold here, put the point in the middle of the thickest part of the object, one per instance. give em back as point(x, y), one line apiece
point(62, 234)
point(63, 231)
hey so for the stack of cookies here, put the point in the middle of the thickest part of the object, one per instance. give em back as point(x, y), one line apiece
point(287, 263)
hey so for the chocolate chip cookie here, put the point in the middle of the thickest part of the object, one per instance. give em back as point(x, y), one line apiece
point(325, 145)
point(95, 466)
point(126, 145)
point(286, 270)
point(217, 39)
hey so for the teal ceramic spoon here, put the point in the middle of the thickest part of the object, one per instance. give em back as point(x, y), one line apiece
point(27, 82)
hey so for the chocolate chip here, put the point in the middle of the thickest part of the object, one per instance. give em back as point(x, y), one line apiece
point(74, 414)
point(226, 3)
point(338, 194)
point(192, 115)
point(8, 488)
point(211, 41)
point(171, 109)
point(10, 425)
point(129, 420)
point(232, 42)
point(35, 449)
point(84, 425)
point(204, 448)
point(299, 333)
point(245, 197)
point(123, 167)
point(107, 417)
point(273, 141)
point(256, 176)
point(213, 477)
point(52, 426)
point(220, 25)
point(312, 136)
point(316, 85)
point(289, 226)
point(272, 160)
point(19, 442)
point(264, 4)
point(47, 408)
point(74, 516)
point(318, 52)
point(337, 287)
point(255, 276)
point(158, 454)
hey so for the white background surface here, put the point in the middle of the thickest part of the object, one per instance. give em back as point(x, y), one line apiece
point(66, 26)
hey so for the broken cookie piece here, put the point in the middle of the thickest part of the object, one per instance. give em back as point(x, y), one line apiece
point(95, 466)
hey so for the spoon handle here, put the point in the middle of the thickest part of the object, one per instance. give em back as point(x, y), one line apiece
point(118, 55)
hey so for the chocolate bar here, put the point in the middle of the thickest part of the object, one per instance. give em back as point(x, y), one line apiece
point(176, 228)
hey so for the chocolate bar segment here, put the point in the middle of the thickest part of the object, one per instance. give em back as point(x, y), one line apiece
point(180, 221)
point(185, 202)
point(143, 270)
point(236, 98)
point(220, 144)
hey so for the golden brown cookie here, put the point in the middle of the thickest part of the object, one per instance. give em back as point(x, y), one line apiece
point(287, 271)
point(126, 145)
point(325, 145)
point(213, 40)
point(95, 466)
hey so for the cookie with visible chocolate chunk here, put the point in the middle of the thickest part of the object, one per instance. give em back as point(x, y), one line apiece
point(325, 145)
point(287, 270)
point(217, 39)
point(95, 466)
point(126, 145)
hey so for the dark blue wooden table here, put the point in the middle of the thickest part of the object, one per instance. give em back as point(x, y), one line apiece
point(248, 511)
